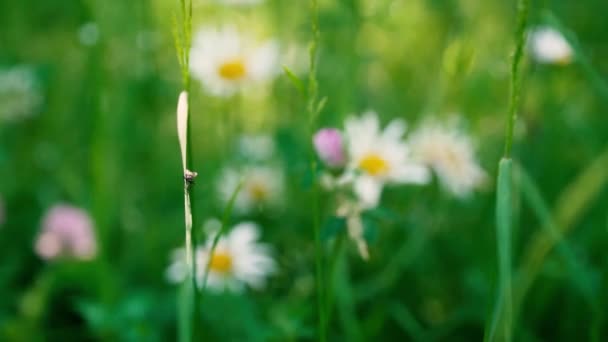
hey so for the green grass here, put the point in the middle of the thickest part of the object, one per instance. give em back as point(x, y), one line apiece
point(522, 258)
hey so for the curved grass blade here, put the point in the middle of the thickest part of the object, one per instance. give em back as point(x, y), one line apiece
point(570, 206)
point(536, 202)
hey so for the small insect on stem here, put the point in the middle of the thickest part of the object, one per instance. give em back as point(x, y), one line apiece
point(189, 177)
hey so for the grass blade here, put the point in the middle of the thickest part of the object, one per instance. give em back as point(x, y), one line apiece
point(535, 201)
point(579, 274)
point(502, 321)
point(570, 206)
point(520, 37)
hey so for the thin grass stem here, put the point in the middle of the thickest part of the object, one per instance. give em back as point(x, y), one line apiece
point(189, 308)
point(502, 319)
point(225, 217)
point(520, 39)
point(313, 108)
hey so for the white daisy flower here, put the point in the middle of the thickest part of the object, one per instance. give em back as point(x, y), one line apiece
point(262, 187)
point(450, 153)
point(238, 260)
point(256, 147)
point(379, 157)
point(225, 61)
point(549, 46)
point(20, 95)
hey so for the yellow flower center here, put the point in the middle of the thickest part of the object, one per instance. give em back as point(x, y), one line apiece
point(374, 165)
point(221, 262)
point(258, 192)
point(233, 70)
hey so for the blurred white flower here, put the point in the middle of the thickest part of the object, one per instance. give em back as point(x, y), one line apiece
point(256, 147)
point(379, 157)
point(66, 232)
point(262, 187)
point(225, 61)
point(88, 34)
point(549, 46)
point(20, 95)
point(450, 153)
point(238, 260)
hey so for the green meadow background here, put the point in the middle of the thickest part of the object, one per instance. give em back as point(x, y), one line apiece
point(104, 138)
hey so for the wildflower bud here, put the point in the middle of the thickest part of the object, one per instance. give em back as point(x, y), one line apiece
point(66, 231)
point(182, 124)
point(330, 148)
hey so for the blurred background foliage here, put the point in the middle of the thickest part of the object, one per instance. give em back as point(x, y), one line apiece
point(102, 136)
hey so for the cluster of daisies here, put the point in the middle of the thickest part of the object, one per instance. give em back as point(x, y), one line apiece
point(363, 158)
point(360, 160)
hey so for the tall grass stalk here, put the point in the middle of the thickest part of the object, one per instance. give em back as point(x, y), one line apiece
point(189, 300)
point(520, 37)
point(502, 320)
point(314, 107)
